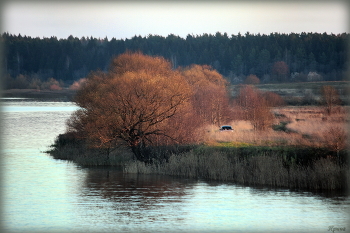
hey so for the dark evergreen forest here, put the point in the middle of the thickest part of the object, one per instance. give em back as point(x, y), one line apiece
point(272, 58)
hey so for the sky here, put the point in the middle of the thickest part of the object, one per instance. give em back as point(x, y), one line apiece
point(125, 19)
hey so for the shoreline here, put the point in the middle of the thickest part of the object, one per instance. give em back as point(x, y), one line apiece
point(64, 94)
point(305, 168)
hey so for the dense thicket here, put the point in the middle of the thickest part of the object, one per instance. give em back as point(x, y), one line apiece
point(234, 56)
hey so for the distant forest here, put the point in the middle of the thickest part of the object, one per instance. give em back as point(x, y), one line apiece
point(272, 58)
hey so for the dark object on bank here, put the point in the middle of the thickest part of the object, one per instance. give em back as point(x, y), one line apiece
point(226, 128)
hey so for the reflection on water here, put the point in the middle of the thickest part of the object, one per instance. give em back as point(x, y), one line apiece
point(148, 189)
point(153, 203)
point(144, 202)
point(43, 195)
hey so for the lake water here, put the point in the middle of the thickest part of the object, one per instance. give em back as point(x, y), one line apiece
point(41, 194)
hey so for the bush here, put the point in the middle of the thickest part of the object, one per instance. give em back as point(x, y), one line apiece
point(273, 99)
point(252, 80)
point(336, 139)
point(280, 127)
point(253, 107)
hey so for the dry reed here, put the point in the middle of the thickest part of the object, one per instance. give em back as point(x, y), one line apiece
point(267, 169)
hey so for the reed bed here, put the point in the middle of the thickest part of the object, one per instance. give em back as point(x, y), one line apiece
point(266, 169)
point(215, 167)
point(295, 168)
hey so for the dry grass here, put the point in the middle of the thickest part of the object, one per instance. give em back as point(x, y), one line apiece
point(215, 166)
point(314, 124)
point(304, 126)
point(264, 169)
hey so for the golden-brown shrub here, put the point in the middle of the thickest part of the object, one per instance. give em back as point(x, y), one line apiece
point(252, 79)
point(210, 98)
point(251, 105)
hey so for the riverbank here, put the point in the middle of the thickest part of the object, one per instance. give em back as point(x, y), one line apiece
point(64, 94)
point(307, 168)
point(305, 148)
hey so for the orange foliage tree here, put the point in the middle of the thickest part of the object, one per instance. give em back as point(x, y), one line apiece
point(273, 99)
point(139, 105)
point(280, 71)
point(252, 106)
point(143, 102)
point(210, 98)
point(137, 62)
point(77, 84)
point(252, 79)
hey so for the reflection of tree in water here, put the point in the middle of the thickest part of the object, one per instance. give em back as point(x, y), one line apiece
point(136, 197)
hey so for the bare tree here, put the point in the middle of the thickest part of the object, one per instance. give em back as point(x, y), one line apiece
point(330, 98)
point(336, 139)
point(253, 107)
point(280, 71)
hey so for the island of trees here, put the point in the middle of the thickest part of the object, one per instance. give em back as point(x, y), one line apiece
point(150, 117)
point(51, 63)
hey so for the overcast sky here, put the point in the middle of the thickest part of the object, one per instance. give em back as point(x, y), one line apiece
point(125, 19)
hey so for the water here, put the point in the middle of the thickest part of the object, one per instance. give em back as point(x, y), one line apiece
point(40, 194)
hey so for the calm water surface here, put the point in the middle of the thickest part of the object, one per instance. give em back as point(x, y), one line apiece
point(40, 194)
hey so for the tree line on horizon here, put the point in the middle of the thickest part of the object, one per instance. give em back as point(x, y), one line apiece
point(271, 58)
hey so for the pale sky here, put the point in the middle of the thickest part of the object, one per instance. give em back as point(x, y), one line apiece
point(125, 19)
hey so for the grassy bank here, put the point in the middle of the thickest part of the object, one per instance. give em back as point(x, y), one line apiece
point(304, 149)
point(291, 167)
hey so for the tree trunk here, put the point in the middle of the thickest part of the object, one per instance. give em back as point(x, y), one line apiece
point(140, 153)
